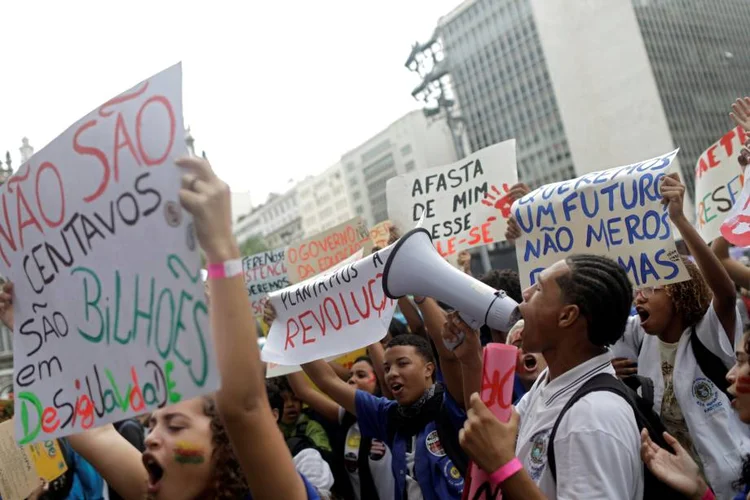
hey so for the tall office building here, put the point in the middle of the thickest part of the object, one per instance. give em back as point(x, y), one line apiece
point(412, 142)
point(590, 84)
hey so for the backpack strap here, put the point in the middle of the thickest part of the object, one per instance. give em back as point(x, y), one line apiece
point(710, 364)
point(600, 382)
point(645, 384)
point(448, 436)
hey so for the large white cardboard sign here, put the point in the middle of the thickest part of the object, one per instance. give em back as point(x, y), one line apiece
point(718, 182)
point(336, 312)
point(616, 213)
point(465, 204)
point(110, 312)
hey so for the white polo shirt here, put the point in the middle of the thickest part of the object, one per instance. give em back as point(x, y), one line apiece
point(597, 445)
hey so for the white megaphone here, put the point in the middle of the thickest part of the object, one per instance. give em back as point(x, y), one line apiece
point(414, 267)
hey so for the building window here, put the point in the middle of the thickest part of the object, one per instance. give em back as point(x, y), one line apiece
point(350, 167)
point(410, 166)
point(360, 210)
point(406, 150)
point(376, 151)
point(356, 195)
point(353, 181)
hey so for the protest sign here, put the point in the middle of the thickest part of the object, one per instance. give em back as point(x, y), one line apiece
point(265, 272)
point(616, 213)
point(48, 459)
point(381, 233)
point(18, 478)
point(111, 319)
point(324, 250)
point(347, 360)
point(718, 181)
point(498, 370)
point(334, 313)
point(465, 204)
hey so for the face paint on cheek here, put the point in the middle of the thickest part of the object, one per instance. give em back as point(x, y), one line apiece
point(188, 453)
point(743, 384)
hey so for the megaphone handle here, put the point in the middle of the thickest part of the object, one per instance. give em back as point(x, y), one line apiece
point(473, 324)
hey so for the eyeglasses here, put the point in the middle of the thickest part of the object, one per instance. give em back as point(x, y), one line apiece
point(646, 291)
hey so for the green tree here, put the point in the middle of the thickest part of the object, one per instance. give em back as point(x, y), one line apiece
point(253, 245)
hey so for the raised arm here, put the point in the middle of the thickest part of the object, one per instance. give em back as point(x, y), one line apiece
point(435, 319)
point(469, 356)
point(738, 272)
point(327, 381)
point(413, 319)
point(242, 399)
point(725, 295)
point(115, 459)
point(314, 399)
point(376, 352)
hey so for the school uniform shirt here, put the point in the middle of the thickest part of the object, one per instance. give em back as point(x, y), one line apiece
point(436, 476)
point(717, 435)
point(597, 445)
point(380, 460)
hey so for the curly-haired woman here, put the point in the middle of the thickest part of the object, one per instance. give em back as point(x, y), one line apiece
point(673, 323)
point(678, 469)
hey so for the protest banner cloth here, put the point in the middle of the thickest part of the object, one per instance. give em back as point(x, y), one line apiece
point(718, 181)
point(324, 250)
point(498, 370)
point(615, 213)
point(337, 312)
point(110, 316)
point(18, 477)
point(380, 233)
point(465, 204)
point(264, 272)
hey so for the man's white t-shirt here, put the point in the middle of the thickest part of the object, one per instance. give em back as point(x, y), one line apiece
point(597, 445)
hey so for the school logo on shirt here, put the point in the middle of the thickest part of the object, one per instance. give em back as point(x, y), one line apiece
point(433, 444)
point(377, 450)
point(538, 453)
point(453, 475)
point(706, 395)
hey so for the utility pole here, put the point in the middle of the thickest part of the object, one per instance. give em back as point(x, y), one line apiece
point(435, 91)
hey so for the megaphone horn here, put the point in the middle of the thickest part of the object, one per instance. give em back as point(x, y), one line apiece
point(414, 267)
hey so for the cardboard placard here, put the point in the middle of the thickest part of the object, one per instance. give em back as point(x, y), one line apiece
point(465, 204)
point(615, 213)
point(110, 316)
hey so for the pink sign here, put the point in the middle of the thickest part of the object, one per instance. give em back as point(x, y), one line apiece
point(499, 368)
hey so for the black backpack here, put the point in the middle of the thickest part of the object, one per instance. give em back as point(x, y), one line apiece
point(645, 418)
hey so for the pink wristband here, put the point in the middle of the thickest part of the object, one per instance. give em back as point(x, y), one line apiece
point(228, 269)
point(505, 471)
point(708, 495)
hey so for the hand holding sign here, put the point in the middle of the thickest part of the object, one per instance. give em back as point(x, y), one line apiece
point(6, 305)
point(741, 113)
point(673, 192)
point(489, 442)
point(208, 199)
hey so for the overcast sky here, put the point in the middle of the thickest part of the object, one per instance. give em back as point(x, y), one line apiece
point(274, 91)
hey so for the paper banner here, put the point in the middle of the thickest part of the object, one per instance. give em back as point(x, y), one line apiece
point(498, 370)
point(718, 181)
point(111, 319)
point(265, 272)
point(324, 250)
point(615, 213)
point(347, 360)
point(334, 313)
point(465, 204)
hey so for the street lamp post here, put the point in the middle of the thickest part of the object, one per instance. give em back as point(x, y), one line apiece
point(429, 62)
